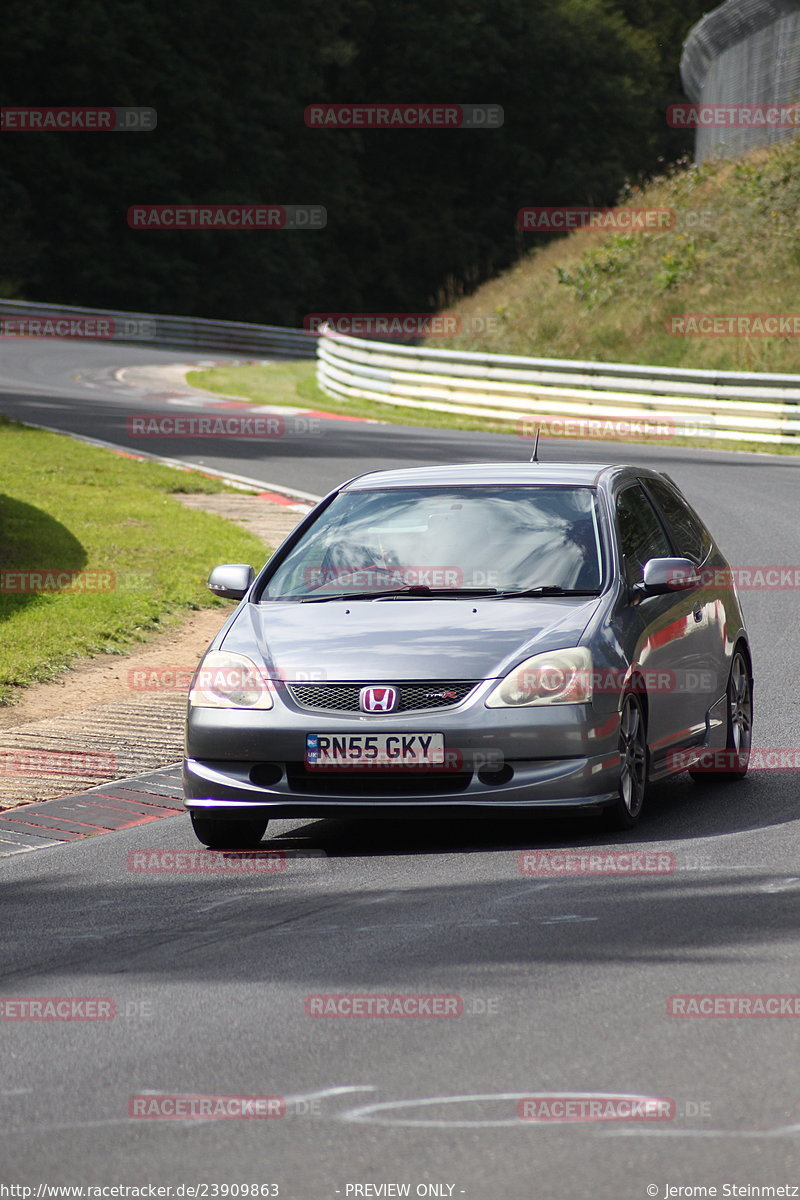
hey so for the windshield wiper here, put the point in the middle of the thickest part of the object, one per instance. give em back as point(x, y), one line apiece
point(549, 590)
point(414, 591)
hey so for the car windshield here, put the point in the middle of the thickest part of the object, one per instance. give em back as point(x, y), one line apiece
point(446, 540)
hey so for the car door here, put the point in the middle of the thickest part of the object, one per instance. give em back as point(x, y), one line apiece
point(668, 642)
point(692, 540)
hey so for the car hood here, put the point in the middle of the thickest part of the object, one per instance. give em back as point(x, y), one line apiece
point(384, 641)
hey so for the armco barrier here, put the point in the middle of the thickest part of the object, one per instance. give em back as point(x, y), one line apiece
point(181, 333)
point(725, 405)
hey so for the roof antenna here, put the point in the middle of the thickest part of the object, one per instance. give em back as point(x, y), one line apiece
point(535, 455)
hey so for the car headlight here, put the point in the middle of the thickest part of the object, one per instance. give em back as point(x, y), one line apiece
point(227, 680)
point(558, 677)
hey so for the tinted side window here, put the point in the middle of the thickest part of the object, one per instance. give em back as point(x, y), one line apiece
point(642, 536)
point(691, 537)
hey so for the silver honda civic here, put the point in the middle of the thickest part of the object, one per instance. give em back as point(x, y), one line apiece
point(471, 640)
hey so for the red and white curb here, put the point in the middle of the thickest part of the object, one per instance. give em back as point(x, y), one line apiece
point(121, 805)
point(171, 387)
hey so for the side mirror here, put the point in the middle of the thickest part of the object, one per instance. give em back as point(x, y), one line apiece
point(232, 580)
point(665, 575)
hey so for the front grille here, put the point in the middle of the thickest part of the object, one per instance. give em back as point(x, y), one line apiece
point(413, 697)
point(353, 784)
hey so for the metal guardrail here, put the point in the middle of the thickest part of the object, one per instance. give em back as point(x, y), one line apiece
point(564, 395)
point(561, 394)
point(181, 333)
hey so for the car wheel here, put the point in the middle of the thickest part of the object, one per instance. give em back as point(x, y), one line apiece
point(227, 835)
point(735, 759)
point(624, 813)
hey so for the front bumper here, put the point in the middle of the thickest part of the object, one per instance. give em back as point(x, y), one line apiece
point(510, 760)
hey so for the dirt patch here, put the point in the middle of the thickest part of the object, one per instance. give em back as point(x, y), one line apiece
point(107, 718)
point(108, 678)
point(113, 716)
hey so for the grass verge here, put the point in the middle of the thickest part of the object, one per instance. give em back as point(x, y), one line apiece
point(732, 248)
point(295, 384)
point(141, 558)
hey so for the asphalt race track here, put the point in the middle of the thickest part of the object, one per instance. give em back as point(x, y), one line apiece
point(563, 983)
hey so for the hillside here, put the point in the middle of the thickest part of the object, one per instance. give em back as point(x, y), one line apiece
point(734, 248)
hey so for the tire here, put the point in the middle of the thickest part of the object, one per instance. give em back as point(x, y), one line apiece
point(731, 764)
point(625, 811)
point(228, 835)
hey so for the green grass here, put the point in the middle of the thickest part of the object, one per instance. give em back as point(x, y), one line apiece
point(604, 296)
point(295, 384)
point(68, 506)
point(278, 383)
point(596, 295)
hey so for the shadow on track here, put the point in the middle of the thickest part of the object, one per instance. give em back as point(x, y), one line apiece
point(674, 809)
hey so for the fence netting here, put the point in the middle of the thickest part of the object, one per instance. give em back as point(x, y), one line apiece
point(745, 52)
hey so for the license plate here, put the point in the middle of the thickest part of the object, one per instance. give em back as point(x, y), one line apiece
point(374, 749)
